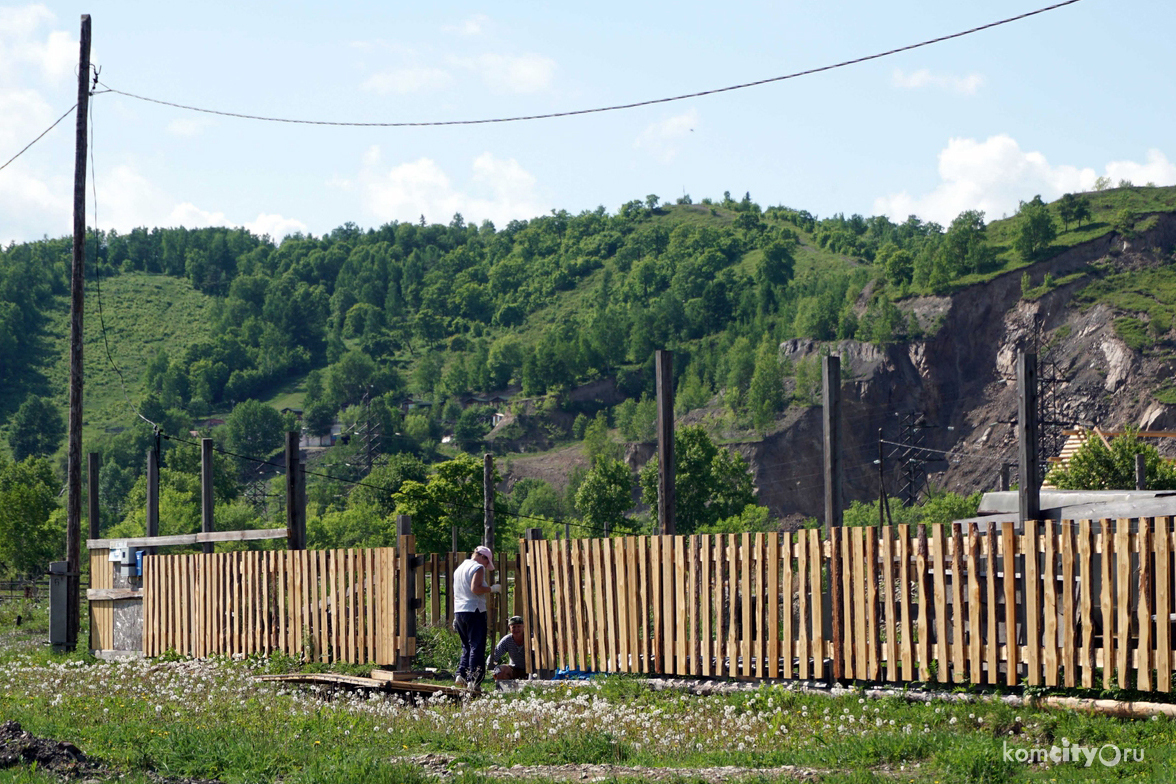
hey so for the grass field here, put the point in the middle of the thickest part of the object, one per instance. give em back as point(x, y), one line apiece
point(210, 719)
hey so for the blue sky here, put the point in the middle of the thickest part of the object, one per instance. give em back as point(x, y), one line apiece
point(1044, 105)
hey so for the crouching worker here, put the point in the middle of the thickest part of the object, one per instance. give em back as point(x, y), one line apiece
point(510, 645)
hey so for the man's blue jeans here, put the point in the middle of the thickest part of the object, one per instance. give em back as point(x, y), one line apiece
point(471, 628)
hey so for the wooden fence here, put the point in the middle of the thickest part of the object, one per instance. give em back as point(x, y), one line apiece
point(1076, 603)
point(346, 605)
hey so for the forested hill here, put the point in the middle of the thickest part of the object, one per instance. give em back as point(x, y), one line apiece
point(201, 320)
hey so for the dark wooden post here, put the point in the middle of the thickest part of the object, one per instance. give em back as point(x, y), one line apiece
point(73, 473)
point(831, 398)
point(1004, 477)
point(664, 368)
point(92, 509)
point(153, 491)
point(409, 563)
point(206, 502)
point(453, 538)
point(1140, 473)
point(488, 501)
point(881, 483)
point(295, 498)
point(1030, 490)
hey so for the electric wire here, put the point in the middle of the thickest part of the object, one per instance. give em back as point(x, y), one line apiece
point(597, 110)
point(34, 141)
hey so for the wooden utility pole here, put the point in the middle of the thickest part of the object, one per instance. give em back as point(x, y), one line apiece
point(153, 490)
point(206, 502)
point(664, 369)
point(1140, 472)
point(488, 501)
point(1030, 489)
point(73, 472)
point(295, 498)
point(831, 398)
point(881, 483)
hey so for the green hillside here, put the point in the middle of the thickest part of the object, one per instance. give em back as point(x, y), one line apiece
point(143, 314)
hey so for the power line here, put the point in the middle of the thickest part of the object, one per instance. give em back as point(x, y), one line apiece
point(617, 107)
point(34, 141)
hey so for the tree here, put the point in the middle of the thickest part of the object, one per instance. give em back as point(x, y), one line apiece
point(765, 395)
point(452, 496)
point(36, 430)
point(1035, 228)
point(1067, 209)
point(31, 527)
point(710, 483)
point(598, 443)
point(255, 430)
point(388, 475)
point(605, 495)
point(1096, 467)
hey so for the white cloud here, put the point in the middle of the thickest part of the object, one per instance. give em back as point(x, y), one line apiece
point(965, 85)
point(401, 81)
point(54, 54)
point(190, 216)
point(1158, 170)
point(277, 227)
point(995, 175)
point(473, 25)
point(664, 139)
point(524, 73)
point(497, 189)
point(188, 126)
point(26, 114)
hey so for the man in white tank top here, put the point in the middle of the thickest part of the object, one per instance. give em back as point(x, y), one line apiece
point(470, 587)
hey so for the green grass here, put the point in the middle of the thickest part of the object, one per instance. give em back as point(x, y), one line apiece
point(210, 719)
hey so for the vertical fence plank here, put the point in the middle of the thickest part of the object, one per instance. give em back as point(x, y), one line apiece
point(805, 635)
point(939, 564)
point(990, 637)
point(610, 614)
point(888, 606)
point(545, 600)
point(645, 601)
point(841, 545)
point(1050, 604)
point(669, 605)
point(1107, 603)
point(904, 599)
point(1009, 542)
point(579, 603)
point(958, 642)
point(861, 605)
point(974, 611)
point(1086, 603)
point(1123, 601)
point(732, 605)
point(561, 632)
point(601, 588)
point(774, 594)
point(786, 593)
point(923, 577)
point(1163, 576)
point(1144, 646)
point(590, 580)
point(873, 665)
point(633, 600)
point(718, 645)
point(693, 592)
point(682, 665)
point(1031, 551)
point(567, 597)
point(815, 565)
point(1069, 627)
point(745, 604)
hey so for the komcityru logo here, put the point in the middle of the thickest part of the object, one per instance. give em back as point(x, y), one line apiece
point(1108, 754)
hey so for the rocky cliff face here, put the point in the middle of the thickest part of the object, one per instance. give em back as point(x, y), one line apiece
point(962, 381)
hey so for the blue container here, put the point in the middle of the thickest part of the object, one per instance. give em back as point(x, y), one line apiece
point(139, 563)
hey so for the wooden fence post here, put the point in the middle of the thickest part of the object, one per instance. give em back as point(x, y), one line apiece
point(1030, 490)
point(153, 492)
point(409, 563)
point(831, 394)
point(532, 660)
